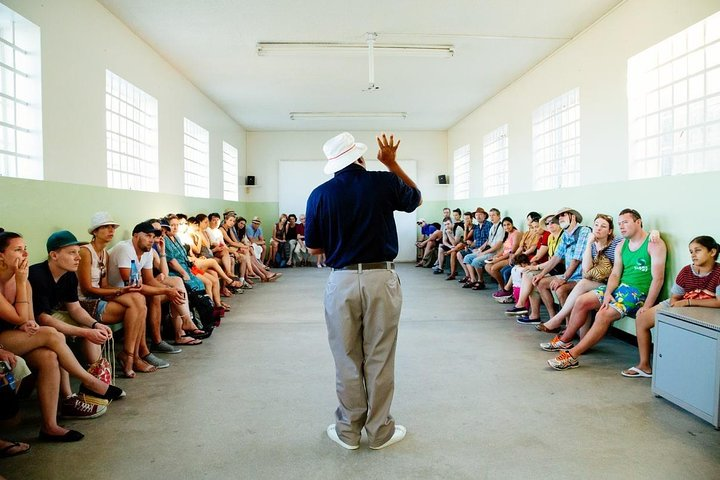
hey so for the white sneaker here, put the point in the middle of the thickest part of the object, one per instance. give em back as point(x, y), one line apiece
point(399, 434)
point(334, 437)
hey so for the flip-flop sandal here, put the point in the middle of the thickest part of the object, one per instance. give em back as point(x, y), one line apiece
point(225, 306)
point(637, 373)
point(191, 341)
point(6, 452)
point(197, 334)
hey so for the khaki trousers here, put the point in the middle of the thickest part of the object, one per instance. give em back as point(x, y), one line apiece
point(362, 312)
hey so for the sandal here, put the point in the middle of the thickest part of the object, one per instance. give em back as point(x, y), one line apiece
point(225, 306)
point(542, 328)
point(6, 452)
point(127, 361)
point(196, 334)
point(189, 340)
point(144, 367)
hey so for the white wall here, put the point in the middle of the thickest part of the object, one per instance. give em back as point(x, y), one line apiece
point(265, 150)
point(80, 39)
point(596, 62)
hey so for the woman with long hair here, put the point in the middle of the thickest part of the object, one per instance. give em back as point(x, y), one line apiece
point(108, 304)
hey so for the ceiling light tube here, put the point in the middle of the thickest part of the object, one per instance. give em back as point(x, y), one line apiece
point(311, 115)
point(321, 48)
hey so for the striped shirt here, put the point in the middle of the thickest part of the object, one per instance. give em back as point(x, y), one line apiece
point(609, 250)
point(691, 285)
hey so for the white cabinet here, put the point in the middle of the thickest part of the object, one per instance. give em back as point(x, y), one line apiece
point(686, 367)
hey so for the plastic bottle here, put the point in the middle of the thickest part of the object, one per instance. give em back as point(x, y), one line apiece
point(9, 377)
point(134, 274)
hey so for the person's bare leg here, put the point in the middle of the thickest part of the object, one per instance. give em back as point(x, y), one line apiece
point(583, 306)
point(543, 289)
point(526, 289)
point(644, 322)
point(568, 303)
point(131, 312)
point(44, 363)
point(563, 291)
point(603, 319)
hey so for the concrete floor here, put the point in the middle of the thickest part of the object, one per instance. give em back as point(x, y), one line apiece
point(472, 387)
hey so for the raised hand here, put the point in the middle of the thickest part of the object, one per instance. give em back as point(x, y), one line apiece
point(387, 149)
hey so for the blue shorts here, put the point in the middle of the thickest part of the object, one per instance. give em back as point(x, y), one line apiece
point(626, 300)
point(102, 305)
point(479, 261)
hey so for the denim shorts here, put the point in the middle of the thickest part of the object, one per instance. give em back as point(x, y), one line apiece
point(626, 300)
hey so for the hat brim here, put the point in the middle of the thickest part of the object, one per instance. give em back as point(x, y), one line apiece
point(95, 227)
point(70, 244)
point(337, 164)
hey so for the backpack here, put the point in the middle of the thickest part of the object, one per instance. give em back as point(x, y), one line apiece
point(203, 309)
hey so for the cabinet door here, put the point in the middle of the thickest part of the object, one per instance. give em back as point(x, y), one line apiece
point(685, 366)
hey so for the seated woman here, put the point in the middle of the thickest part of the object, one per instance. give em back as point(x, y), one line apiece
point(186, 332)
point(44, 348)
point(278, 241)
point(598, 259)
point(206, 266)
point(237, 237)
point(108, 304)
point(429, 246)
point(494, 265)
point(183, 265)
point(467, 239)
point(546, 246)
point(527, 246)
point(697, 285)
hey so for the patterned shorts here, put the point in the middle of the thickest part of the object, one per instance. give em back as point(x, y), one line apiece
point(626, 300)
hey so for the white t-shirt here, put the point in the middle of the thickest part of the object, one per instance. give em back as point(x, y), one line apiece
point(216, 236)
point(120, 257)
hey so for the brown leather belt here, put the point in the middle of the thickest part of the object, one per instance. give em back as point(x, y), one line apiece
point(359, 267)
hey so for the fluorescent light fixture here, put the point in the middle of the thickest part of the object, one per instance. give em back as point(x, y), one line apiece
point(323, 48)
point(310, 115)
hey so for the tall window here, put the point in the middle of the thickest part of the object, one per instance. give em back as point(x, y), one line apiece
point(495, 162)
point(461, 173)
point(556, 142)
point(20, 97)
point(230, 172)
point(131, 124)
point(197, 160)
point(674, 103)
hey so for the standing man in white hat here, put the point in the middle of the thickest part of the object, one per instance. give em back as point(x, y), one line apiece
point(350, 220)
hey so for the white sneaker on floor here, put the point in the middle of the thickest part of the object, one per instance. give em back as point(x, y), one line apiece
point(399, 434)
point(334, 437)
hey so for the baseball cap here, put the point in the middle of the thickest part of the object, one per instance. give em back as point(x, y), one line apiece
point(62, 239)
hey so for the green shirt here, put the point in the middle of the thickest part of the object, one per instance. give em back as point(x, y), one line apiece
point(636, 266)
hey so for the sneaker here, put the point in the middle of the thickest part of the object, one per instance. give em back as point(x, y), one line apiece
point(334, 437)
point(77, 408)
point(511, 312)
point(399, 434)
point(501, 295)
point(525, 320)
point(438, 271)
point(93, 400)
point(563, 361)
point(156, 361)
point(555, 345)
point(163, 347)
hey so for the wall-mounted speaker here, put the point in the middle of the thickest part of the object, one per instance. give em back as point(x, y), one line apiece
point(250, 180)
point(442, 179)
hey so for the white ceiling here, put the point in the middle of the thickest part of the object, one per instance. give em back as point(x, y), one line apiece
point(213, 43)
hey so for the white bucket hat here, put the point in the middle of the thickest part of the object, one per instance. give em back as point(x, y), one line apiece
point(100, 219)
point(341, 151)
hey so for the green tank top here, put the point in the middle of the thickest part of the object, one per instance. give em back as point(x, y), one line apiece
point(636, 266)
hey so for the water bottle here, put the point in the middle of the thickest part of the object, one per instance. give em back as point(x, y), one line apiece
point(9, 378)
point(134, 274)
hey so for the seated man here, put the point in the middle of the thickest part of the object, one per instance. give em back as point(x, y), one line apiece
point(571, 249)
point(138, 249)
point(481, 231)
point(633, 288)
point(55, 304)
point(254, 234)
point(474, 263)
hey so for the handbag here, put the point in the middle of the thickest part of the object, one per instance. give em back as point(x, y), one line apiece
point(600, 270)
point(102, 368)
